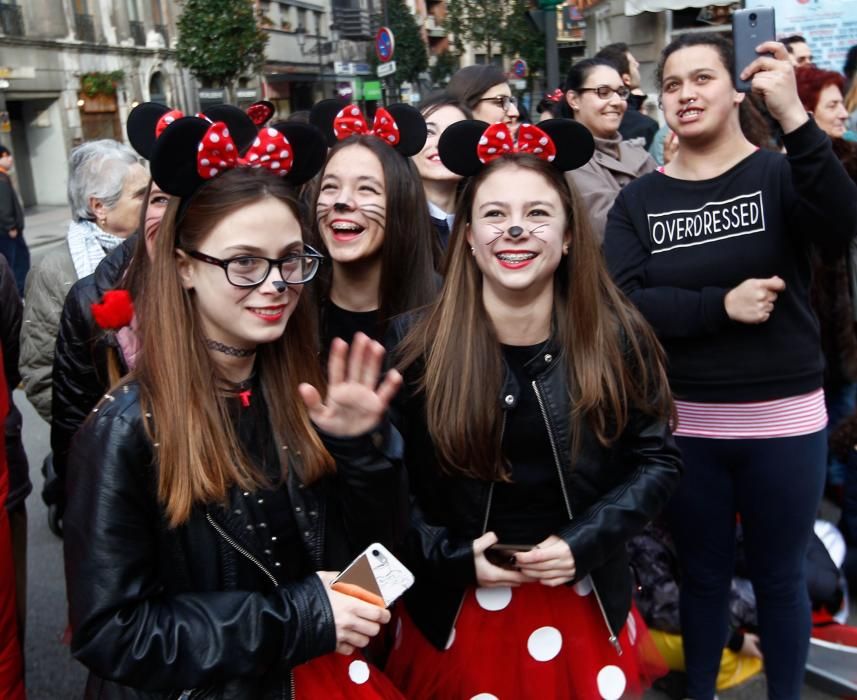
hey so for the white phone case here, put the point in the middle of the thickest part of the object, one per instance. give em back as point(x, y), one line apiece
point(379, 572)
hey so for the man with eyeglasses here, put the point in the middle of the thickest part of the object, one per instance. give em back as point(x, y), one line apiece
point(634, 124)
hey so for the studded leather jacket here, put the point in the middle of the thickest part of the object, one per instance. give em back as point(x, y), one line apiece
point(200, 609)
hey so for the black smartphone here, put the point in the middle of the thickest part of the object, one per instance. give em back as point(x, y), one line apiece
point(503, 555)
point(749, 29)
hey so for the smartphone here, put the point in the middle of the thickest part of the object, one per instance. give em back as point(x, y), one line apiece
point(375, 576)
point(749, 29)
point(503, 555)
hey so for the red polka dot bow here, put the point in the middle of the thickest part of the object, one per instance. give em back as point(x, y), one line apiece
point(555, 96)
point(497, 141)
point(217, 152)
point(167, 119)
point(350, 121)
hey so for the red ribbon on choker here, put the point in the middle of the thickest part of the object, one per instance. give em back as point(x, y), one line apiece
point(350, 121)
point(217, 152)
point(497, 141)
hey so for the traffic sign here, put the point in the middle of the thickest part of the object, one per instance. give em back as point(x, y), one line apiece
point(385, 44)
point(519, 68)
point(385, 69)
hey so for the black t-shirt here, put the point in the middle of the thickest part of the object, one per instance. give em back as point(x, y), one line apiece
point(337, 322)
point(676, 247)
point(529, 507)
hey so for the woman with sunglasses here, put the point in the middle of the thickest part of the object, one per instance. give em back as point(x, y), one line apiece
point(598, 99)
point(485, 90)
point(212, 495)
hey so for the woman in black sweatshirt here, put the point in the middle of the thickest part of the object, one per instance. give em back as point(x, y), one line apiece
point(714, 250)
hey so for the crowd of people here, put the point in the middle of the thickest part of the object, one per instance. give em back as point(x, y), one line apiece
point(564, 371)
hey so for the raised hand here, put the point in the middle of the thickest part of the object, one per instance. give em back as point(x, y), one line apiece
point(356, 621)
point(752, 301)
point(774, 79)
point(355, 403)
point(550, 562)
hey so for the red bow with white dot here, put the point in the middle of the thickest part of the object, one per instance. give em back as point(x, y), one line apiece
point(497, 141)
point(217, 152)
point(167, 119)
point(350, 121)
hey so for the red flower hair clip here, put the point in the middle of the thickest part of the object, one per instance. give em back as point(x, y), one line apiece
point(115, 310)
point(497, 141)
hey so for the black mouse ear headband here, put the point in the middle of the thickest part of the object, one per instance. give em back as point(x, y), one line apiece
point(399, 125)
point(467, 146)
point(193, 150)
point(147, 121)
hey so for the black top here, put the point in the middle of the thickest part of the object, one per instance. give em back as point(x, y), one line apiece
point(676, 247)
point(337, 322)
point(529, 507)
point(635, 124)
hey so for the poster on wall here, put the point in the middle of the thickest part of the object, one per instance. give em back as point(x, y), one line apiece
point(830, 26)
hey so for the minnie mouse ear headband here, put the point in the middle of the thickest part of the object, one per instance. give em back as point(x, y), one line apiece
point(147, 122)
point(466, 146)
point(261, 112)
point(399, 125)
point(193, 150)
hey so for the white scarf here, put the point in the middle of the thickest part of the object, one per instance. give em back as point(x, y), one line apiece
point(89, 245)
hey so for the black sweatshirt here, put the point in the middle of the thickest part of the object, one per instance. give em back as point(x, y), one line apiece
point(676, 247)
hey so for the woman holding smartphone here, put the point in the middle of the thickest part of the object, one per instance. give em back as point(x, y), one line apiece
point(212, 495)
point(536, 414)
point(715, 251)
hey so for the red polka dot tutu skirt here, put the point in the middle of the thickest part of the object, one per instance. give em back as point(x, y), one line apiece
point(527, 642)
point(338, 677)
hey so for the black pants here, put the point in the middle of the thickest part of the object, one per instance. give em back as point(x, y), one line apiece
point(775, 485)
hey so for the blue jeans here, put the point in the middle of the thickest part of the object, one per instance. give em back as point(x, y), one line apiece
point(775, 485)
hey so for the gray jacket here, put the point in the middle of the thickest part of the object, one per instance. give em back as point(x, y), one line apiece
point(614, 164)
point(47, 286)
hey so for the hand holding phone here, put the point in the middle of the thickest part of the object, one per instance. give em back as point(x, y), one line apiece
point(356, 621)
point(503, 555)
point(750, 28)
point(375, 576)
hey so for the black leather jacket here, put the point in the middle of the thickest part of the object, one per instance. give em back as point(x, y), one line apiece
point(611, 493)
point(155, 611)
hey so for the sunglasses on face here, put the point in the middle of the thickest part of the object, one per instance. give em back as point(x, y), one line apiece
point(502, 101)
point(252, 270)
point(605, 91)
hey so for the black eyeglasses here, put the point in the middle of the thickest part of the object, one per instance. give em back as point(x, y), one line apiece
point(253, 270)
point(604, 91)
point(502, 101)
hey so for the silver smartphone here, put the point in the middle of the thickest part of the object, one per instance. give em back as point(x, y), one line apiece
point(749, 29)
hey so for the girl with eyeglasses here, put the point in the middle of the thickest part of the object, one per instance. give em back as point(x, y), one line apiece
point(598, 99)
point(485, 90)
point(213, 494)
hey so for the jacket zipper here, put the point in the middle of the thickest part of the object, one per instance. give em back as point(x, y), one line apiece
point(614, 640)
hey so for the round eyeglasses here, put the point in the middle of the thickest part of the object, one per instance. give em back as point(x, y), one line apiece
point(502, 101)
point(253, 270)
point(605, 91)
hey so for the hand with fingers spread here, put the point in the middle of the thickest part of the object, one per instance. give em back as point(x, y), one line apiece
point(356, 621)
point(550, 562)
point(488, 575)
point(752, 301)
point(773, 78)
point(355, 402)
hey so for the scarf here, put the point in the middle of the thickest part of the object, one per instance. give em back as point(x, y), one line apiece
point(89, 245)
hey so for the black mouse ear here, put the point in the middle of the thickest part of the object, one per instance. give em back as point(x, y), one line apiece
point(322, 115)
point(142, 126)
point(309, 147)
point(261, 112)
point(173, 162)
point(412, 129)
point(573, 141)
point(457, 147)
point(241, 127)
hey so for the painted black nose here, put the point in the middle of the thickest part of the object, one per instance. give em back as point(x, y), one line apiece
point(279, 285)
point(515, 231)
point(341, 206)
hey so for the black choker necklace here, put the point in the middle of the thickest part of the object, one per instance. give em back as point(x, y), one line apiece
point(228, 349)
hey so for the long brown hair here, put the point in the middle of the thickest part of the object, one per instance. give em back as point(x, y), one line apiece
point(199, 455)
point(614, 360)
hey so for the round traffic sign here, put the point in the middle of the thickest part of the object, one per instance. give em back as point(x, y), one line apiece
point(384, 44)
point(519, 68)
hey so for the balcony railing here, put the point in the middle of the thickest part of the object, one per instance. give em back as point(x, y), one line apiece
point(84, 28)
point(434, 28)
point(138, 33)
point(11, 20)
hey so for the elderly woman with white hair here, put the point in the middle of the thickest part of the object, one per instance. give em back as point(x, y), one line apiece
point(106, 189)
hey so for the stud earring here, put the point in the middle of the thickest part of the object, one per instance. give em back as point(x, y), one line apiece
point(472, 250)
point(565, 249)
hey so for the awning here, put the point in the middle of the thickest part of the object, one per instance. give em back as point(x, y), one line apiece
point(635, 7)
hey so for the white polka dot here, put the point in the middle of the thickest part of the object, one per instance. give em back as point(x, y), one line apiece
point(283, 172)
point(395, 126)
point(484, 696)
point(271, 148)
point(451, 640)
point(257, 142)
point(492, 150)
point(229, 148)
point(551, 159)
point(528, 136)
point(538, 150)
point(358, 671)
point(543, 140)
point(275, 165)
point(214, 138)
point(545, 643)
point(501, 135)
point(358, 124)
point(213, 172)
point(199, 148)
point(169, 120)
point(583, 587)
point(254, 156)
point(225, 133)
point(611, 682)
point(632, 628)
point(204, 162)
point(355, 112)
point(340, 113)
point(265, 158)
point(483, 140)
point(493, 598)
point(284, 154)
point(272, 132)
point(383, 120)
point(391, 138)
point(507, 147)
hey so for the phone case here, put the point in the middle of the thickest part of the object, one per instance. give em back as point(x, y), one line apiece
point(377, 572)
point(750, 28)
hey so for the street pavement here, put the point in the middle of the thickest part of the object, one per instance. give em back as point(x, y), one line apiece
point(52, 674)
